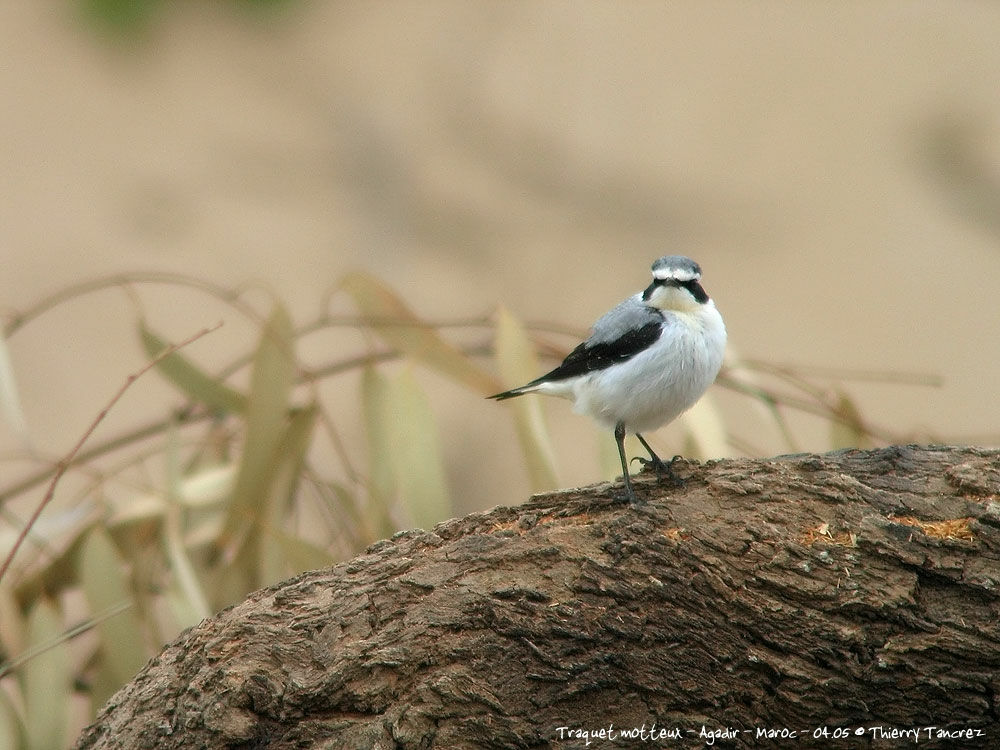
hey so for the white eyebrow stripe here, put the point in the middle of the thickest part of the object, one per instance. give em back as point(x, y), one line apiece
point(678, 274)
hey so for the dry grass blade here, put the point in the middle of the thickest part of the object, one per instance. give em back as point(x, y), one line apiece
point(824, 534)
point(952, 528)
point(518, 365)
point(401, 329)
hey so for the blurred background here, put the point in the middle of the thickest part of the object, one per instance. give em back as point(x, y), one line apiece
point(834, 168)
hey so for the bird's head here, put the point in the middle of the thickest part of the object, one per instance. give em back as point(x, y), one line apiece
point(675, 285)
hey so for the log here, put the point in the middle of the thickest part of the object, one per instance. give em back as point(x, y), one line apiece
point(762, 603)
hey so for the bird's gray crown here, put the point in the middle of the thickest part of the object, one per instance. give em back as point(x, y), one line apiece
point(677, 267)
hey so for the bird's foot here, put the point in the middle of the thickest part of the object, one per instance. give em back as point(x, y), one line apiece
point(663, 469)
point(629, 495)
point(631, 498)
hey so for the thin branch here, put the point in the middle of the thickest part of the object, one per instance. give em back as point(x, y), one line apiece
point(183, 416)
point(64, 464)
point(817, 407)
point(893, 377)
point(19, 319)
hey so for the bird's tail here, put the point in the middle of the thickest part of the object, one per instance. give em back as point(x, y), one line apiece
point(511, 393)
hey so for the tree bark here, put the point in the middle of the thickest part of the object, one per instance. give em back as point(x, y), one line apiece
point(763, 600)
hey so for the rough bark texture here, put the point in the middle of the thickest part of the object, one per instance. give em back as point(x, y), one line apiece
point(762, 595)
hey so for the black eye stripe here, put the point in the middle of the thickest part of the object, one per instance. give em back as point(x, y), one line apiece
point(696, 290)
point(691, 285)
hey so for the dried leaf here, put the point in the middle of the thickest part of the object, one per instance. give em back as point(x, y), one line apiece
point(107, 590)
point(381, 479)
point(271, 383)
point(187, 597)
point(183, 611)
point(418, 455)
point(190, 378)
point(204, 490)
point(706, 431)
point(848, 431)
point(10, 402)
point(414, 452)
point(518, 365)
point(397, 325)
point(12, 625)
point(274, 560)
point(298, 555)
point(11, 727)
point(352, 532)
point(268, 409)
point(46, 679)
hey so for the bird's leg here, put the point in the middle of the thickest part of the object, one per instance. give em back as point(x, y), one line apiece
point(663, 468)
point(657, 463)
point(620, 439)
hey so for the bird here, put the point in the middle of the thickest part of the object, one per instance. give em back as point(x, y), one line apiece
point(647, 360)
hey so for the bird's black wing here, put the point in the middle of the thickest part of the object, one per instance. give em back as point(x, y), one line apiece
point(618, 336)
point(589, 356)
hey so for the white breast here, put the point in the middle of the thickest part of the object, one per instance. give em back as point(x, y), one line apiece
point(658, 384)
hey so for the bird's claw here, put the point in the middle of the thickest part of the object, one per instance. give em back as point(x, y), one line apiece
point(664, 469)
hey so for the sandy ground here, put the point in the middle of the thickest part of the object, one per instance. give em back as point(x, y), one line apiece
point(835, 168)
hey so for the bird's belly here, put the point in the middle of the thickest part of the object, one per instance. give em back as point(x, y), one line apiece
point(649, 390)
